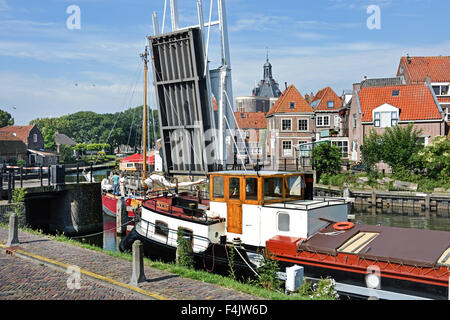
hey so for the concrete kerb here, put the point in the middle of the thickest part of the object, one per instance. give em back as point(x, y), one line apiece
point(64, 267)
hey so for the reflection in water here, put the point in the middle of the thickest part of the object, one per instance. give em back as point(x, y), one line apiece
point(404, 218)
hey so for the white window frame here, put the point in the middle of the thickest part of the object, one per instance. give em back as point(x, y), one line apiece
point(336, 143)
point(286, 119)
point(298, 125)
point(35, 138)
point(332, 104)
point(322, 120)
point(283, 149)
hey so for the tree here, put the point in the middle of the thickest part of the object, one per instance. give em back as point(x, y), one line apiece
point(370, 151)
point(48, 133)
point(399, 144)
point(434, 159)
point(5, 119)
point(327, 159)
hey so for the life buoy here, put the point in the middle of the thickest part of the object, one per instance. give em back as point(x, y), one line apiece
point(344, 225)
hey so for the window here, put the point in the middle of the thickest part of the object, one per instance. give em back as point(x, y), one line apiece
point(337, 121)
point(394, 119)
point(283, 221)
point(395, 93)
point(354, 120)
point(441, 90)
point(161, 228)
point(251, 189)
point(218, 187)
point(294, 187)
point(243, 115)
point(35, 138)
point(322, 121)
point(376, 119)
point(286, 125)
point(235, 188)
point(292, 105)
point(273, 189)
point(303, 125)
point(287, 148)
point(330, 104)
point(343, 147)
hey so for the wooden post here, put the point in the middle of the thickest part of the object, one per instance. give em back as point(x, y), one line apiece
point(13, 179)
point(92, 173)
point(78, 173)
point(49, 174)
point(9, 187)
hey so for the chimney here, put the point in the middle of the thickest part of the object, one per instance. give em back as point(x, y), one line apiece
point(408, 58)
point(285, 84)
point(428, 80)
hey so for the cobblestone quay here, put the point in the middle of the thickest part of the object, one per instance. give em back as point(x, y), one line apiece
point(38, 271)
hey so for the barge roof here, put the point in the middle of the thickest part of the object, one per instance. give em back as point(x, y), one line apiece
point(392, 244)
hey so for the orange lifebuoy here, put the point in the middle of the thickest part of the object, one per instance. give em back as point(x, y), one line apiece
point(344, 225)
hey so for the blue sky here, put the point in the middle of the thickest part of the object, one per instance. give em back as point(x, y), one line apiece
point(48, 70)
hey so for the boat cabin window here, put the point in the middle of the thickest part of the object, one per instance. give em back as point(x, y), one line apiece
point(251, 189)
point(235, 184)
point(294, 187)
point(218, 187)
point(273, 189)
point(161, 228)
point(283, 221)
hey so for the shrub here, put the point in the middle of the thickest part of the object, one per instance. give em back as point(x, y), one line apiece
point(184, 250)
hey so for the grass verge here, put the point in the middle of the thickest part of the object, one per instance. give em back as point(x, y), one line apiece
point(182, 271)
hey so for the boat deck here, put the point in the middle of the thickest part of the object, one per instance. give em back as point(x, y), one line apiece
point(425, 248)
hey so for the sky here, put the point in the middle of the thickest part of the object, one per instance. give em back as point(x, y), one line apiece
point(52, 64)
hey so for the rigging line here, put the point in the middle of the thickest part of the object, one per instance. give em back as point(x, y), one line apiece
point(179, 121)
point(207, 40)
point(239, 130)
point(95, 234)
point(124, 103)
point(237, 149)
point(131, 127)
point(164, 16)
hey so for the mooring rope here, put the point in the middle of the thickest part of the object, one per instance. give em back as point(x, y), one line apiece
point(94, 234)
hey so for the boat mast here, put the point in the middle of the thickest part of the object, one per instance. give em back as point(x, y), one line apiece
point(144, 56)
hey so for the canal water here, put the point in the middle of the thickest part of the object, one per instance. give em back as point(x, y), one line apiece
point(363, 214)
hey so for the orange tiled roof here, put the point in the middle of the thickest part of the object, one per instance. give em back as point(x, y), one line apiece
point(8, 136)
point(251, 120)
point(323, 96)
point(415, 102)
point(21, 132)
point(437, 68)
point(283, 104)
point(444, 99)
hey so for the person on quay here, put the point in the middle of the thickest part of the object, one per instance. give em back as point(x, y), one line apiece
point(115, 179)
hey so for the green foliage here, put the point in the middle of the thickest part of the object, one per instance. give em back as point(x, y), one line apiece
point(230, 251)
point(21, 162)
point(268, 273)
point(65, 153)
point(5, 119)
point(324, 289)
point(434, 159)
point(370, 150)
point(48, 133)
point(185, 257)
point(18, 199)
point(121, 128)
point(327, 159)
point(399, 144)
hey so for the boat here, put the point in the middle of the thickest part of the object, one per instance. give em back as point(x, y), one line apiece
point(251, 215)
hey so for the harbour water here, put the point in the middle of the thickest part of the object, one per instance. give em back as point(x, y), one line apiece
point(363, 214)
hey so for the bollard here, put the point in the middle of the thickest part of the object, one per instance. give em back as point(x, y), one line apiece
point(13, 235)
point(138, 275)
point(294, 278)
point(121, 216)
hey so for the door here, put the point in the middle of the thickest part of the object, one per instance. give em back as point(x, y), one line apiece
point(234, 206)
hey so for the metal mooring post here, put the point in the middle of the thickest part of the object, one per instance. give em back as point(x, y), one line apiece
point(13, 235)
point(138, 275)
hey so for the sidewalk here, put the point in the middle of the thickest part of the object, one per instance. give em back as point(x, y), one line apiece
point(29, 275)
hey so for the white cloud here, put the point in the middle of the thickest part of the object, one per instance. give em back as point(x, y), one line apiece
point(3, 5)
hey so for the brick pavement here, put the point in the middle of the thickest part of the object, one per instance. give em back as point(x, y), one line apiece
point(158, 282)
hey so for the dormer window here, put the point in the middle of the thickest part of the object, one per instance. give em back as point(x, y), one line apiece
point(242, 115)
point(395, 93)
point(330, 104)
point(384, 119)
